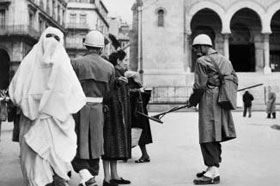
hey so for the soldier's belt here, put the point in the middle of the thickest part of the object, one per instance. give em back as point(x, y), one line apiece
point(94, 99)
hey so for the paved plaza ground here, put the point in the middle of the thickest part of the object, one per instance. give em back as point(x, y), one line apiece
point(252, 159)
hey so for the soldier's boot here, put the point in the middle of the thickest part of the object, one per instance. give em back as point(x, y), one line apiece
point(268, 116)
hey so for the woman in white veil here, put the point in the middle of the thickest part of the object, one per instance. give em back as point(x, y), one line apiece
point(48, 92)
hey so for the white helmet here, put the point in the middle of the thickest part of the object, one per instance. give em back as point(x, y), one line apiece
point(202, 39)
point(94, 39)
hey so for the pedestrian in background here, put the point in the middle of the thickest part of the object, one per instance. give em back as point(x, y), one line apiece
point(271, 103)
point(215, 123)
point(247, 100)
point(3, 107)
point(117, 128)
point(139, 99)
point(46, 89)
point(96, 76)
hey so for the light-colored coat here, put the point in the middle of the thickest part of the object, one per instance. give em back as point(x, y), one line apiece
point(270, 105)
point(215, 123)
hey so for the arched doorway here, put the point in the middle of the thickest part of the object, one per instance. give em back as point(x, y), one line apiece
point(275, 43)
point(245, 28)
point(208, 22)
point(4, 69)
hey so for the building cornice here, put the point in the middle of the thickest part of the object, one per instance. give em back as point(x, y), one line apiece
point(101, 16)
point(94, 9)
point(32, 7)
point(80, 8)
point(63, 3)
point(47, 16)
point(102, 4)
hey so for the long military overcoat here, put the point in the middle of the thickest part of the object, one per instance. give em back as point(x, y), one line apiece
point(215, 123)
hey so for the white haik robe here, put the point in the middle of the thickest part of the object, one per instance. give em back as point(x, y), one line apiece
point(48, 92)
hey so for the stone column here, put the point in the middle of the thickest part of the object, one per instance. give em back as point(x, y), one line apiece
point(133, 50)
point(140, 42)
point(259, 54)
point(226, 45)
point(187, 53)
point(267, 69)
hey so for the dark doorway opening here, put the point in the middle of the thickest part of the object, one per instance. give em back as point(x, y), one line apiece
point(4, 69)
point(245, 27)
point(275, 43)
point(208, 22)
point(242, 57)
point(275, 60)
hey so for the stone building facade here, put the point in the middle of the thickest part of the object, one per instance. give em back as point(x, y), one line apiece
point(247, 32)
point(81, 17)
point(21, 24)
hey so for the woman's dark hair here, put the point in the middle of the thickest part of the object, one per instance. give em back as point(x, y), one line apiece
point(113, 58)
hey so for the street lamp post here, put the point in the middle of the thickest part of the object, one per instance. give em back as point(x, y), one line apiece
point(140, 44)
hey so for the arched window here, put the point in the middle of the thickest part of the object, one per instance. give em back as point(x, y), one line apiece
point(160, 13)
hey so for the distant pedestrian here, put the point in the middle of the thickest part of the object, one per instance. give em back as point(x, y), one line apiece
point(96, 76)
point(270, 104)
point(47, 90)
point(216, 124)
point(3, 107)
point(247, 100)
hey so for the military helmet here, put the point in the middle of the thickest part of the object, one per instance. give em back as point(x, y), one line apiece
point(94, 39)
point(202, 39)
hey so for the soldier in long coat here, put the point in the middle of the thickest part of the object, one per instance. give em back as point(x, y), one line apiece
point(215, 124)
point(96, 76)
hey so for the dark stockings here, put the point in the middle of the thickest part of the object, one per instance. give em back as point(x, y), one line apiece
point(145, 154)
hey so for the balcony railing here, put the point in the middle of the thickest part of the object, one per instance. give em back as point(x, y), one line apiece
point(123, 36)
point(170, 94)
point(77, 26)
point(24, 30)
point(76, 44)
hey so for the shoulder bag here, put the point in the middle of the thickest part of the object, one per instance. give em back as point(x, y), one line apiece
point(227, 90)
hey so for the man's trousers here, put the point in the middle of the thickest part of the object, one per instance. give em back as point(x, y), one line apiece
point(92, 165)
point(211, 153)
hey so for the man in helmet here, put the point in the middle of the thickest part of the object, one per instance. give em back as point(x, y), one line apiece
point(96, 76)
point(215, 124)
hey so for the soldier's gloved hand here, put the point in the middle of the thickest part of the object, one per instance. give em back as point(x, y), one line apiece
point(188, 104)
point(123, 80)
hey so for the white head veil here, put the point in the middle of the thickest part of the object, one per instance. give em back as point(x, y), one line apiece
point(45, 82)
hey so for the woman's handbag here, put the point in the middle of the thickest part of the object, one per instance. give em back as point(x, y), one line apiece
point(139, 105)
point(135, 136)
point(12, 110)
point(227, 90)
